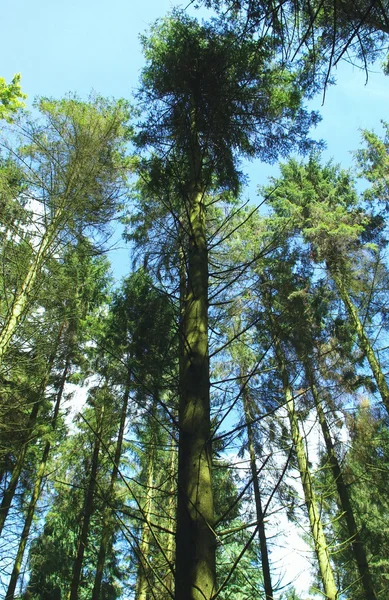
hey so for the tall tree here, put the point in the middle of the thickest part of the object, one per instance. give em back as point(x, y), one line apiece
point(365, 470)
point(209, 96)
point(322, 204)
point(304, 306)
point(316, 525)
point(137, 343)
point(80, 284)
point(73, 162)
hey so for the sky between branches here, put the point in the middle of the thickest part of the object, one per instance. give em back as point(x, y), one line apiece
point(85, 45)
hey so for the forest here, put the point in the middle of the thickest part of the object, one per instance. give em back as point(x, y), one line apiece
point(171, 437)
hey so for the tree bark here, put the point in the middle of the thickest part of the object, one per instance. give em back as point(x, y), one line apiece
point(345, 504)
point(317, 531)
point(35, 496)
point(257, 496)
point(195, 540)
point(107, 532)
point(362, 337)
point(143, 581)
point(170, 545)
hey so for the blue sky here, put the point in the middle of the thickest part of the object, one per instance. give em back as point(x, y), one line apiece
point(77, 46)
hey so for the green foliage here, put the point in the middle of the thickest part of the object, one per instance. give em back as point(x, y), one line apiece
point(11, 97)
point(75, 153)
point(373, 161)
point(235, 94)
point(211, 94)
point(327, 30)
point(365, 467)
point(53, 552)
point(245, 583)
point(322, 203)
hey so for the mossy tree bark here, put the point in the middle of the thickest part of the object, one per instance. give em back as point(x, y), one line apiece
point(316, 525)
point(345, 504)
point(143, 577)
point(170, 545)
point(195, 539)
point(362, 337)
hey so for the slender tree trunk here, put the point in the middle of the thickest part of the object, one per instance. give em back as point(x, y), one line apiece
point(143, 582)
point(22, 296)
point(345, 504)
point(257, 496)
point(18, 467)
point(35, 495)
point(87, 513)
point(195, 539)
point(170, 545)
point(107, 532)
point(317, 531)
point(362, 337)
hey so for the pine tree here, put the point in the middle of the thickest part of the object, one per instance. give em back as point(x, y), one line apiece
point(322, 204)
point(230, 101)
point(72, 163)
point(78, 279)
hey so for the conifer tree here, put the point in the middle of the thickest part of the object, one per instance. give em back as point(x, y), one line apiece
point(321, 203)
point(72, 163)
point(80, 281)
point(234, 99)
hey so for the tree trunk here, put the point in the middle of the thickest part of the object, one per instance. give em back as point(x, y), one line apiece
point(345, 504)
point(107, 532)
point(170, 545)
point(22, 296)
point(362, 337)
point(143, 581)
point(317, 531)
point(195, 540)
point(16, 471)
point(35, 496)
point(18, 466)
point(87, 514)
point(257, 495)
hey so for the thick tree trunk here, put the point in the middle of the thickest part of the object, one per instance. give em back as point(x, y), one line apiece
point(87, 514)
point(35, 496)
point(316, 526)
point(257, 496)
point(107, 532)
point(345, 504)
point(362, 337)
point(195, 540)
point(22, 296)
